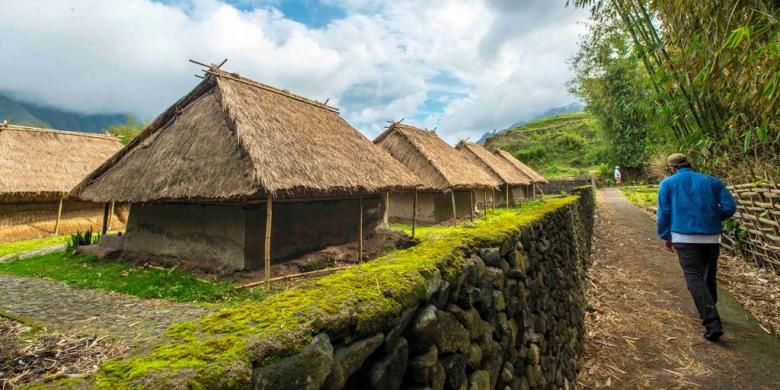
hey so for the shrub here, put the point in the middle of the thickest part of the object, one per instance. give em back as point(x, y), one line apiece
point(80, 239)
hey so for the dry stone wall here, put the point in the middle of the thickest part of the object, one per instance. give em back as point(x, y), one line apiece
point(511, 317)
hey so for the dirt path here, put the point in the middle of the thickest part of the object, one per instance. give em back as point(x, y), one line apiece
point(643, 330)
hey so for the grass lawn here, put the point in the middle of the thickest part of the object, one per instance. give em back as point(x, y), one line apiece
point(642, 196)
point(121, 276)
point(13, 248)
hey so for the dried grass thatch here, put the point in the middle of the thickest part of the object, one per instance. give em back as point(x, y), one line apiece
point(437, 164)
point(43, 164)
point(535, 177)
point(234, 139)
point(496, 166)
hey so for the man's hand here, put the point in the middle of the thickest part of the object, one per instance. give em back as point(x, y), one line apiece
point(668, 245)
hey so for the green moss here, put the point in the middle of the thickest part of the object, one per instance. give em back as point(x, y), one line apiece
point(362, 298)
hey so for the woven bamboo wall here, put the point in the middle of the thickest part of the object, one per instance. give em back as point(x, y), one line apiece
point(758, 215)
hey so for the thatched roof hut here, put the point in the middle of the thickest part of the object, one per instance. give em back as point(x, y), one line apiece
point(234, 139)
point(438, 165)
point(535, 177)
point(43, 164)
point(496, 166)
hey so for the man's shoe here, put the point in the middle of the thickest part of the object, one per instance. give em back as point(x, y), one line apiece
point(713, 335)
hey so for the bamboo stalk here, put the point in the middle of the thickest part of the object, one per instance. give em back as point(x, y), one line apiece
point(267, 250)
point(105, 219)
point(360, 230)
point(292, 276)
point(59, 215)
point(414, 212)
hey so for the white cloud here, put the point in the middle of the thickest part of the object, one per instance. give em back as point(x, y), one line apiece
point(503, 60)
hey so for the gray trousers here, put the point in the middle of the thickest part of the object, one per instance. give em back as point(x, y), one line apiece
point(699, 264)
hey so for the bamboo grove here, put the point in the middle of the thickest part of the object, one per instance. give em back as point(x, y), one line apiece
point(702, 77)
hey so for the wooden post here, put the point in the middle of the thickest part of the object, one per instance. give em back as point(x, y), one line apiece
point(471, 204)
point(493, 198)
point(414, 211)
point(533, 190)
point(360, 230)
point(105, 218)
point(269, 210)
point(59, 214)
point(454, 211)
point(387, 209)
point(111, 215)
point(484, 201)
point(507, 195)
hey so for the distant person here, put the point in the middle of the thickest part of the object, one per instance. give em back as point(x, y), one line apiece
point(618, 175)
point(691, 207)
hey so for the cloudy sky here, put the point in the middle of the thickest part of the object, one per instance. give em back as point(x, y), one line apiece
point(462, 66)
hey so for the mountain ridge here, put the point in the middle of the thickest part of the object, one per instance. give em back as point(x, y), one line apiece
point(22, 112)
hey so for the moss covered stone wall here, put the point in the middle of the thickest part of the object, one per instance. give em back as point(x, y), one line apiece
point(494, 305)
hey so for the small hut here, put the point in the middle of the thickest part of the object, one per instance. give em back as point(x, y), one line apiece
point(515, 185)
point(536, 178)
point(38, 167)
point(237, 172)
point(449, 179)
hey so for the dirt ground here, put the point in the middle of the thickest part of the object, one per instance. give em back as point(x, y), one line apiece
point(642, 327)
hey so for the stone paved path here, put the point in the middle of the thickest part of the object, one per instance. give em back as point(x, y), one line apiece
point(61, 308)
point(643, 331)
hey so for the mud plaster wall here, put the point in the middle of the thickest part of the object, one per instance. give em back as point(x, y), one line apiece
point(232, 237)
point(432, 207)
point(511, 318)
point(25, 220)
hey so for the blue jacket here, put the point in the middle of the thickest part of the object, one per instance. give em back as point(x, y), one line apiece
point(692, 203)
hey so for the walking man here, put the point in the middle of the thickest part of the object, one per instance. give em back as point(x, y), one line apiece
point(691, 207)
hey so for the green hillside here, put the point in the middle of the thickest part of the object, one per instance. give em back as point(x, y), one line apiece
point(558, 145)
point(31, 114)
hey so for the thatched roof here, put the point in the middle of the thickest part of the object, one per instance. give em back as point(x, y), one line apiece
point(234, 139)
point(535, 177)
point(496, 166)
point(46, 164)
point(437, 164)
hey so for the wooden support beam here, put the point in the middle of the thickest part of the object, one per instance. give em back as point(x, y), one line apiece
point(507, 196)
point(387, 210)
point(454, 210)
point(484, 202)
point(471, 205)
point(493, 198)
point(269, 210)
point(111, 215)
point(414, 212)
point(105, 218)
point(59, 215)
point(360, 230)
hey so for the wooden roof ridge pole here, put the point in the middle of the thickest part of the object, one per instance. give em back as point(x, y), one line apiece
point(414, 211)
point(360, 229)
point(59, 214)
point(269, 210)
